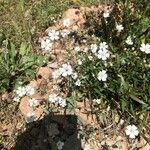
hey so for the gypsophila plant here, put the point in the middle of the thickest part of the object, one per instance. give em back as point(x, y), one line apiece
point(114, 63)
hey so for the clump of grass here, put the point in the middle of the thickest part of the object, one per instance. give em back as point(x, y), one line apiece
point(17, 66)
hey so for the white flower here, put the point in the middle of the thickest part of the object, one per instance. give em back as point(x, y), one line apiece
point(53, 98)
point(60, 145)
point(53, 35)
point(78, 83)
point(132, 131)
point(21, 91)
point(66, 22)
point(129, 40)
point(74, 75)
point(29, 90)
point(103, 46)
point(119, 27)
point(33, 102)
point(94, 48)
point(98, 101)
point(102, 75)
point(46, 44)
point(77, 49)
point(66, 70)
point(90, 57)
point(145, 48)
point(61, 101)
point(30, 117)
point(79, 62)
point(65, 32)
point(16, 99)
point(106, 14)
point(103, 54)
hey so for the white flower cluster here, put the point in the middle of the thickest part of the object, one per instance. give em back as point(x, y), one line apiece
point(102, 51)
point(132, 131)
point(145, 48)
point(54, 35)
point(66, 70)
point(33, 102)
point(22, 91)
point(129, 40)
point(46, 44)
point(53, 98)
point(65, 32)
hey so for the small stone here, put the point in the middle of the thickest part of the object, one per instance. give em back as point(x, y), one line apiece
point(44, 72)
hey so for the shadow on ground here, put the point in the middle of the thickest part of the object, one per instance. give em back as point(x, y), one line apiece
point(44, 134)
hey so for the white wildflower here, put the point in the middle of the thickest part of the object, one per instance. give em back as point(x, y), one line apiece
point(29, 90)
point(79, 62)
point(84, 41)
point(33, 102)
point(74, 75)
point(119, 27)
point(145, 48)
point(21, 91)
point(46, 44)
point(61, 101)
point(106, 14)
point(60, 145)
point(17, 99)
point(103, 54)
point(102, 75)
point(65, 32)
point(66, 70)
point(98, 101)
point(129, 40)
point(78, 83)
point(132, 131)
point(53, 98)
point(66, 22)
point(94, 48)
point(103, 46)
point(77, 49)
point(30, 117)
point(53, 35)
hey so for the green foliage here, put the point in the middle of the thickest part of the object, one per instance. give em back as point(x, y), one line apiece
point(25, 20)
point(128, 83)
point(17, 66)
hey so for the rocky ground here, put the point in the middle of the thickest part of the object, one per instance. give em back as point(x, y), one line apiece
point(42, 134)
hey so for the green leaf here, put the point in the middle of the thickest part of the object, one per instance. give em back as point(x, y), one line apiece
point(24, 49)
point(133, 96)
